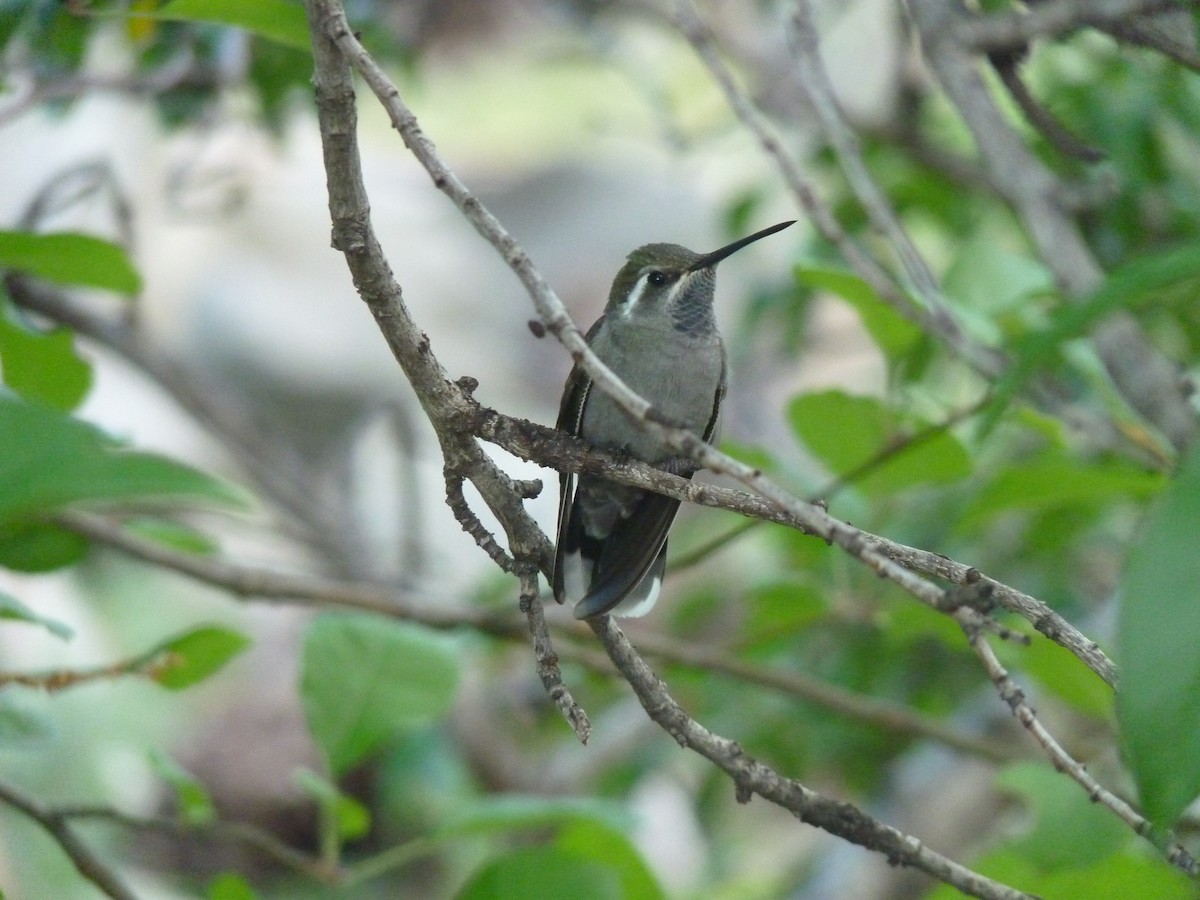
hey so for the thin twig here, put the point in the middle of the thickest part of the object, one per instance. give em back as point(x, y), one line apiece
point(470, 523)
point(546, 446)
point(1014, 697)
point(547, 659)
point(751, 777)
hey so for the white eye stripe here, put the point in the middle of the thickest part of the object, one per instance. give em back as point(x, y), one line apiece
point(635, 296)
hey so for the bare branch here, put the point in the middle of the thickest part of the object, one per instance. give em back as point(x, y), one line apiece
point(1012, 695)
point(751, 777)
point(547, 659)
point(546, 446)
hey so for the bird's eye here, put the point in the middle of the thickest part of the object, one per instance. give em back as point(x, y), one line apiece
point(658, 279)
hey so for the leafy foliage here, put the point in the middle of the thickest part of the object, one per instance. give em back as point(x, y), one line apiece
point(938, 457)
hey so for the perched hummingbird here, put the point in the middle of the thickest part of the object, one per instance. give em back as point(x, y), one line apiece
point(659, 335)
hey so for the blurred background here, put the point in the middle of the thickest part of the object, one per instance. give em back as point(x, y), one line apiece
point(589, 128)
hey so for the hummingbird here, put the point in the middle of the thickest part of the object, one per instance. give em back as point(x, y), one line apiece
point(658, 334)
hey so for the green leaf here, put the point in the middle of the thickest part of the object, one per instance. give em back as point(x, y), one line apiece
point(1059, 671)
point(512, 812)
point(895, 336)
point(21, 728)
point(276, 20)
point(43, 366)
point(49, 460)
point(14, 610)
point(1055, 479)
point(1069, 830)
point(172, 535)
point(1158, 650)
point(194, 656)
point(985, 276)
point(195, 805)
point(542, 872)
point(847, 433)
point(350, 818)
point(365, 678)
point(69, 258)
point(231, 886)
point(613, 849)
point(32, 546)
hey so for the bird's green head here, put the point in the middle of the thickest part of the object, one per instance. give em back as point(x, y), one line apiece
point(669, 283)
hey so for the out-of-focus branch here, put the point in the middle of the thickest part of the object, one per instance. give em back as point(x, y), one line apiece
point(1148, 381)
point(751, 777)
point(1052, 18)
point(259, 584)
point(56, 825)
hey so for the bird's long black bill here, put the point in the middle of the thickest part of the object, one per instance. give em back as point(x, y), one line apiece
point(711, 259)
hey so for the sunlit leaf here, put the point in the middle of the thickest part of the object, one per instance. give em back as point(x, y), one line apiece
point(69, 258)
point(276, 20)
point(231, 886)
point(192, 657)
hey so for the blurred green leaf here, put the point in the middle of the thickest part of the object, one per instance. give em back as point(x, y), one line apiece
point(231, 886)
point(173, 535)
point(33, 546)
point(192, 657)
point(1069, 830)
point(1055, 479)
point(49, 460)
point(1122, 876)
point(603, 844)
point(892, 333)
point(1158, 650)
point(511, 812)
point(545, 871)
point(1059, 671)
point(21, 728)
point(195, 805)
point(43, 366)
point(69, 258)
point(986, 277)
point(280, 21)
point(350, 818)
point(14, 610)
point(778, 610)
point(847, 432)
point(1125, 286)
point(364, 678)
